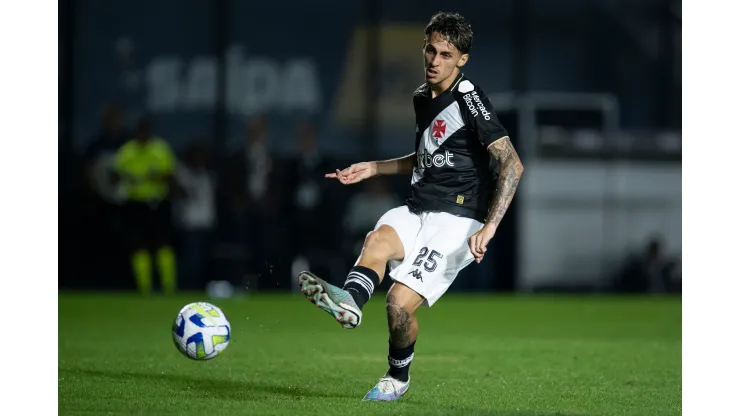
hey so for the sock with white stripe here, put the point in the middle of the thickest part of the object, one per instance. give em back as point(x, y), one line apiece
point(399, 361)
point(360, 284)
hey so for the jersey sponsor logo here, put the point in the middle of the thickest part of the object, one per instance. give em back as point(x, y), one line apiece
point(474, 104)
point(438, 129)
point(428, 160)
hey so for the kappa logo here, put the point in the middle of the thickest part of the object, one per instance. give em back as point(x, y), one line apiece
point(474, 104)
point(416, 274)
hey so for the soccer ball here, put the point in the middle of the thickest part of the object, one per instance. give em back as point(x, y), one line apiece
point(201, 331)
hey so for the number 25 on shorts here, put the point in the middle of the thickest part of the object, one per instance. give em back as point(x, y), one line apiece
point(430, 264)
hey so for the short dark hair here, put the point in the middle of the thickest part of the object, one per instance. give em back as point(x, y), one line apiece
point(454, 27)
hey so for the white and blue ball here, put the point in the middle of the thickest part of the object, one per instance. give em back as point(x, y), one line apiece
point(201, 331)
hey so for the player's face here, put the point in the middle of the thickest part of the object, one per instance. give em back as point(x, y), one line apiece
point(441, 59)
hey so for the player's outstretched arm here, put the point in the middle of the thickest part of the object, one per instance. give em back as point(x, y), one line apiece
point(361, 171)
point(511, 170)
point(397, 166)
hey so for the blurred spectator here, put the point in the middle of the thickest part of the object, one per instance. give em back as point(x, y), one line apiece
point(251, 193)
point(145, 166)
point(366, 208)
point(100, 219)
point(249, 173)
point(313, 238)
point(195, 215)
point(307, 200)
point(650, 271)
point(99, 156)
point(249, 169)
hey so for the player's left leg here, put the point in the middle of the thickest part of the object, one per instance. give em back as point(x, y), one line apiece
point(345, 303)
point(401, 304)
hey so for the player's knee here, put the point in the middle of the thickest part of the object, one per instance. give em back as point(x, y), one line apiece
point(377, 244)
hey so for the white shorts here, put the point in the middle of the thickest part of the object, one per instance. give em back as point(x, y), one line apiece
point(435, 246)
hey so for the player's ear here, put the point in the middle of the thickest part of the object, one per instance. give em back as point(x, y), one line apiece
point(463, 60)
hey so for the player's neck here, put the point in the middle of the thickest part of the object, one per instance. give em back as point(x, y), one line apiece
point(438, 89)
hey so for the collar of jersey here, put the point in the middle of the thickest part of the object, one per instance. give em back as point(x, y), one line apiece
point(457, 80)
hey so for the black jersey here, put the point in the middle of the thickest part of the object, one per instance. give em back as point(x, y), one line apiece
point(453, 131)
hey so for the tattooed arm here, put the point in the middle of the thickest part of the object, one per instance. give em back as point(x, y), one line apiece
point(511, 170)
point(479, 116)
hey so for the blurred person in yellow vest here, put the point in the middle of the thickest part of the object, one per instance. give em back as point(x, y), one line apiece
point(145, 166)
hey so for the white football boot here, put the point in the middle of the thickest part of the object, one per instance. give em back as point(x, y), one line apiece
point(388, 389)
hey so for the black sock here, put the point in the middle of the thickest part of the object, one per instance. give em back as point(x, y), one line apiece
point(361, 283)
point(399, 361)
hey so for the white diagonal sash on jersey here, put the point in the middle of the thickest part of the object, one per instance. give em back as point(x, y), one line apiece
point(453, 122)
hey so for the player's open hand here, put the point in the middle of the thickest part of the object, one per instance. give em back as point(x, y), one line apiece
point(355, 173)
point(478, 241)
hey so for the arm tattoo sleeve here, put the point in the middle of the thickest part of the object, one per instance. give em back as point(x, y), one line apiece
point(511, 170)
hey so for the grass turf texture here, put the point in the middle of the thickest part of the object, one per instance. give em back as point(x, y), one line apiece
point(475, 355)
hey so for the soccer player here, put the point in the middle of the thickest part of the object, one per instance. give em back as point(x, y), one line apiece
point(456, 203)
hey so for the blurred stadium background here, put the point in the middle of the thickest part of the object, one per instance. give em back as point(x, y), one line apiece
point(259, 99)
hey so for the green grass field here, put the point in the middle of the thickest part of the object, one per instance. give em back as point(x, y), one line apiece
point(474, 356)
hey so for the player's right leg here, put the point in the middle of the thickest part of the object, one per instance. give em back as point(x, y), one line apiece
point(345, 304)
point(382, 245)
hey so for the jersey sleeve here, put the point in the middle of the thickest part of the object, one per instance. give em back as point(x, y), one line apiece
point(478, 114)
